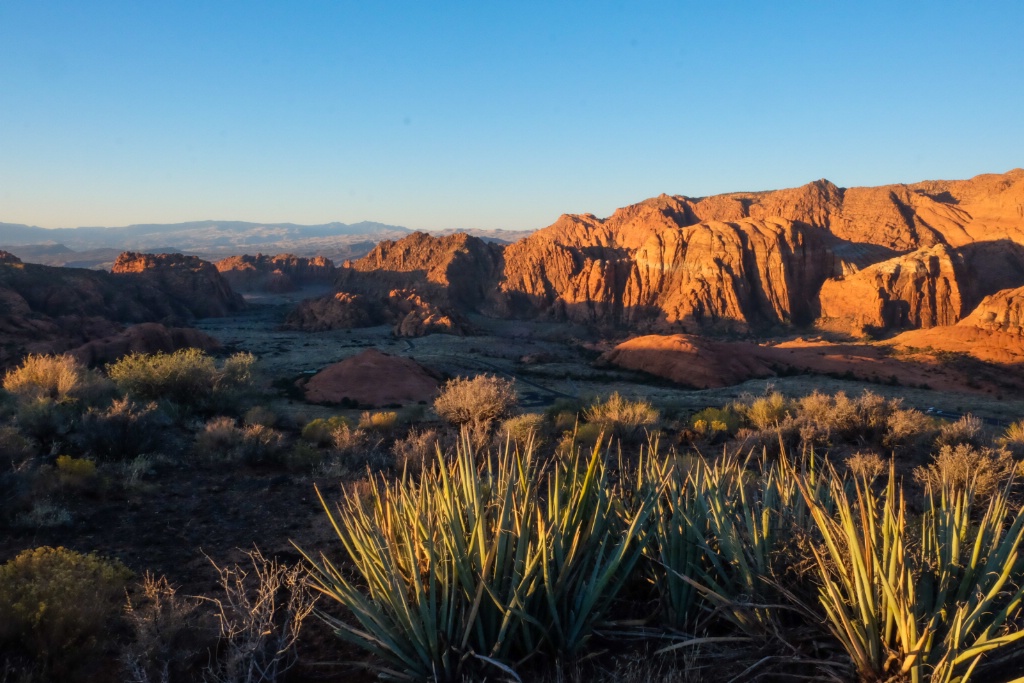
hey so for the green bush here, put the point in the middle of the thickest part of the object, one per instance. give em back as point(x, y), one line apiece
point(321, 430)
point(189, 378)
point(58, 604)
point(767, 411)
point(724, 417)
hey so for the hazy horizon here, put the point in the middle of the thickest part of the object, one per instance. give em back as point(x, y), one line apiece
point(446, 116)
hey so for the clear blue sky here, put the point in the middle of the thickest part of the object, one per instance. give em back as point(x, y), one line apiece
point(486, 114)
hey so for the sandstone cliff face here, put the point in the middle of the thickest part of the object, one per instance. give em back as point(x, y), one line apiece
point(1002, 311)
point(457, 269)
point(176, 284)
point(918, 289)
point(281, 273)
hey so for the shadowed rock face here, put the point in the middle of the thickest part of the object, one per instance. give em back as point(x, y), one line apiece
point(46, 309)
point(281, 273)
point(188, 283)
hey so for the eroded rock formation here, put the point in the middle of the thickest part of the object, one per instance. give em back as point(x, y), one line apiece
point(281, 273)
point(372, 378)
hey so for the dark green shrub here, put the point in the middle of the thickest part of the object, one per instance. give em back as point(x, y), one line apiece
point(57, 604)
point(189, 378)
point(123, 431)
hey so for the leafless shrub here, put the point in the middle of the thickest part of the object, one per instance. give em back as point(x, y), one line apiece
point(167, 633)
point(122, 431)
point(259, 617)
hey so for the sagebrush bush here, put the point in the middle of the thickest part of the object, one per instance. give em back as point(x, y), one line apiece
point(907, 426)
point(725, 417)
point(57, 604)
point(868, 466)
point(968, 429)
point(260, 415)
point(957, 465)
point(626, 419)
point(188, 377)
point(477, 401)
point(124, 430)
point(15, 449)
point(46, 420)
point(59, 378)
point(415, 449)
point(218, 438)
point(259, 445)
point(75, 472)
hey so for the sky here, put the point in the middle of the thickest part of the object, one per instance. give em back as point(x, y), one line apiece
point(437, 115)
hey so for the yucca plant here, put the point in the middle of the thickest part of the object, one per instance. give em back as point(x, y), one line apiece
point(483, 565)
point(921, 610)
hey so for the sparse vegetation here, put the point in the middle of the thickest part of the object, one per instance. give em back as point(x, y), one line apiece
point(189, 378)
point(477, 402)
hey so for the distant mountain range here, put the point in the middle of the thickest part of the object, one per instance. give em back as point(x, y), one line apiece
point(97, 247)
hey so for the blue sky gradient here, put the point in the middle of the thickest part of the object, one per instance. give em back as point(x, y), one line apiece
point(486, 114)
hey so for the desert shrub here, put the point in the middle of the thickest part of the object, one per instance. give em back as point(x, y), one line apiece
point(304, 456)
point(866, 466)
point(15, 449)
point(260, 415)
point(57, 604)
point(906, 426)
point(188, 377)
point(824, 418)
point(718, 420)
point(624, 418)
point(320, 431)
point(478, 401)
point(43, 514)
point(168, 638)
point(259, 445)
point(524, 429)
point(380, 421)
point(259, 617)
point(252, 444)
point(767, 411)
point(47, 421)
point(219, 436)
point(957, 465)
point(59, 378)
point(1012, 438)
point(124, 430)
point(75, 471)
point(585, 436)
point(968, 429)
point(416, 449)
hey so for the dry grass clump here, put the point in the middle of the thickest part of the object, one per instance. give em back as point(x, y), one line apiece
point(219, 436)
point(477, 401)
point(252, 444)
point(58, 378)
point(986, 469)
point(622, 417)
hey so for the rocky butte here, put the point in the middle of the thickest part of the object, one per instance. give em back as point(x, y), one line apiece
point(852, 259)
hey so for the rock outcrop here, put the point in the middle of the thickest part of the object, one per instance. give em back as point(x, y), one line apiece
point(372, 378)
point(281, 273)
point(177, 283)
point(46, 309)
point(409, 313)
point(917, 289)
point(1002, 312)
